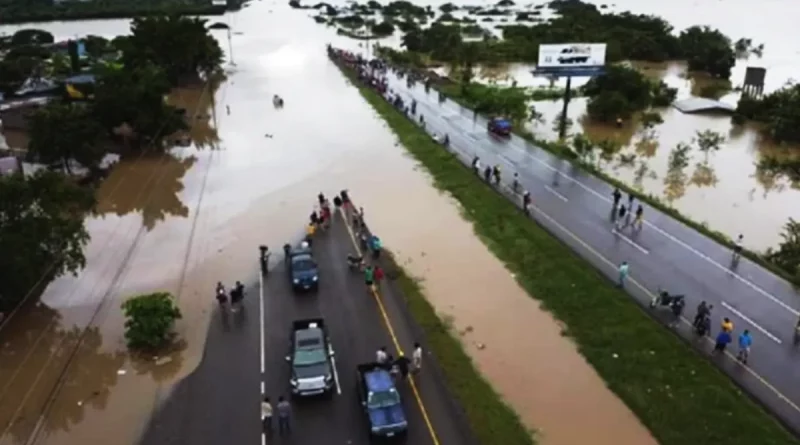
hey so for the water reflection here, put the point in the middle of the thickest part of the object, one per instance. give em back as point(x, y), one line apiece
point(200, 113)
point(149, 185)
point(92, 378)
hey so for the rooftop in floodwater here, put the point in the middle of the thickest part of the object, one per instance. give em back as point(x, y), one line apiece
point(703, 105)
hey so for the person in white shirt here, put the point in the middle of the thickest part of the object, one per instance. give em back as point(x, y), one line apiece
point(381, 356)
point(266, 415)
point(416, 357)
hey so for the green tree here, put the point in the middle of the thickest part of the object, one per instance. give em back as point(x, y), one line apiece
point(468, 57)
point(135, 98)
point(96, 46)
point(708, 141)
point(779, 111)
point(31, 37)
point(61, 132)
point(181, 46)
point(12, 76)
point(41, 230)
point(583, 147)
point(787, 256)
point(149, 320)
point(617, 93)
point(708, 50)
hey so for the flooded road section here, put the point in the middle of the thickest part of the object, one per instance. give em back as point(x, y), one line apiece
point(181, 222)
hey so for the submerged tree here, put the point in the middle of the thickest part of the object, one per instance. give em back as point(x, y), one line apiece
point(42, 231)
point(181, 46)
point(63, 132)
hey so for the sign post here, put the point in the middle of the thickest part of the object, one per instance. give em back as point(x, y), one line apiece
point(570, 60)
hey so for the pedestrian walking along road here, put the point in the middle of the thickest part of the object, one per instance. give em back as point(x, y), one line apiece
point(284, 414)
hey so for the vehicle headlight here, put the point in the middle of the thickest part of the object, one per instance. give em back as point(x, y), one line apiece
point(296, 281)
point(375, 429)
point(293, 382)
point(314, 278)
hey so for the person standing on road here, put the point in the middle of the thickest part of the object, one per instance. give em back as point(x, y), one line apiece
point(416, 357)
point(378, 274)
point(723, 338)
point(623, 274)
point(284, 412)
point(621, 213)
point(266, 416)
point(515, 183)
point(310, 229)
point(402, 365)
point(476, 165)
point(745, 341)
point(737, 247)
point(496, 174)
point(487, 174)
point(617, 195)
point(381, 356)
point(526, 202)
point(639, 220)
point(369, 277)
point(631, 198)
point(703, 311)
point(727, 325)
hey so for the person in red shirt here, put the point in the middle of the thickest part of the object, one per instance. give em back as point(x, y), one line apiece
point(378, 274)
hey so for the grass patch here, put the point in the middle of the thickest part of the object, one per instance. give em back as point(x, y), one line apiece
point(563, 150)
point(681, 397)
point(491, 419)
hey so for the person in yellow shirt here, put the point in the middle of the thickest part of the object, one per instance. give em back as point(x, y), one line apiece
point(310, 229)
point(727, 325)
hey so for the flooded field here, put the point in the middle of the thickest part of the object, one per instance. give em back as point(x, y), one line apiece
point(746, 200)
point(184, 220)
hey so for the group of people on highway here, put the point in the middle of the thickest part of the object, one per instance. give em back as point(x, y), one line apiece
point(621, 214)
point(702, 326)
point(401, 366)
point(236, 295)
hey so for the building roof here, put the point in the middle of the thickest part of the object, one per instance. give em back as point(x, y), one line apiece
point(703, 105)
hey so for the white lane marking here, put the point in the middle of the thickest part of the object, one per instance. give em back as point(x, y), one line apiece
point(650, 295)
point(263, 438)
point(755, 325)
point(558, 195)
point(646, 291)
point(664, 233)
point(336, 376)
point(630, 241)
point(672, 238)
point(261, 320)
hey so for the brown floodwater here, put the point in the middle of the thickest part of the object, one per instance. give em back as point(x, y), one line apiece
point(746, 200)
point(186, 219)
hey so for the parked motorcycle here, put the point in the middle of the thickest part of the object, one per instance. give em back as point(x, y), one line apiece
point(664, 298)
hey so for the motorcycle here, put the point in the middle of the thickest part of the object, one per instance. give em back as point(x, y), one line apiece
point(355, 263)
point(702, 327)
point(664, 298)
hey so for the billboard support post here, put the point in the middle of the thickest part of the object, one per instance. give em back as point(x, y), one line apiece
point(570, 60)
point(562, 126)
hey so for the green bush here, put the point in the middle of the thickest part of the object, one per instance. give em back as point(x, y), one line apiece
point(149, 320)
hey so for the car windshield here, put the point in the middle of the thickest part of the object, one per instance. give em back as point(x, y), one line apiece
point(383, 399)
point(308, 357)
point(303, 265)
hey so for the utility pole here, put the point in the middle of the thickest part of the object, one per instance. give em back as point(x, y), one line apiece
point(230, 46)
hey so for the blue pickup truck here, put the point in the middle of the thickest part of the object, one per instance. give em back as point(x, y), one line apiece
point(381, 401)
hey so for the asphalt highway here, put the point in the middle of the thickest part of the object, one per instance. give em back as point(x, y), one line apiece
point(576, 207)
point(245, 358)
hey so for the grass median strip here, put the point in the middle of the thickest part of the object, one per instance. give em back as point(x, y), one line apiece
point(681, 397)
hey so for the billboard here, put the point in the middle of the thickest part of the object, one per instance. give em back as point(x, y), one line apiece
point(572, 59)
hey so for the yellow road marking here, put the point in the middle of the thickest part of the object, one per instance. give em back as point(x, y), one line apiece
point(389, 327)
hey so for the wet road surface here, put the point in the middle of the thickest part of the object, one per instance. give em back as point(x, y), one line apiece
point(219, 403)
point(576, 207)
